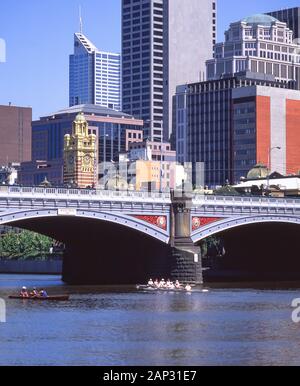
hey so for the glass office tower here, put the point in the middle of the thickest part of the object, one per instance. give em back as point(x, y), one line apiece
point(95, 76)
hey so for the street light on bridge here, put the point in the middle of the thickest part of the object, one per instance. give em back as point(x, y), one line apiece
point(269, 164)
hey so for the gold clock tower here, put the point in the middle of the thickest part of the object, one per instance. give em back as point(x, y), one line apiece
point(80, 155)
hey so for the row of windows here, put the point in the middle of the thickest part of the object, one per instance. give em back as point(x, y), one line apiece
point(109, 57)
point(244, 110)
point(248, 131)
point(244, 121)
point(144, 91)
point(128, 3)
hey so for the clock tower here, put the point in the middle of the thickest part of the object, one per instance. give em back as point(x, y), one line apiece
point(80, 155)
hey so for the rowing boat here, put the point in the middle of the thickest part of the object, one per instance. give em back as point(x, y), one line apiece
point(49, 298)
point(156, 289)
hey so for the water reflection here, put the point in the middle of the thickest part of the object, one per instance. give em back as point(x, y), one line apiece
point(120, 326)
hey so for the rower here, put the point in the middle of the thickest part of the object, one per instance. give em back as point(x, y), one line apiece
point(150, 283)
point(24, 293)
point(43, 293)
point(34, 292)
point(177, 284)
point(188, 288)
point(162, 283)
point(156, 283)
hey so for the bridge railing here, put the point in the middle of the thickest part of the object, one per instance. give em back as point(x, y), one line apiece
point(248, 200)
point(93, 194)
point(100, 194)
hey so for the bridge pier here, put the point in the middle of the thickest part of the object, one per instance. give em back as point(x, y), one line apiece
point(186, 257)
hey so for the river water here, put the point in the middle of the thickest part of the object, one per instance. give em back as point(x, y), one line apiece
point(120, 326)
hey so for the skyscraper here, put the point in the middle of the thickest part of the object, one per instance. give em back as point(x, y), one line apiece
point(164, 43)
point(95, 76)
point(291, 16)
point(257, 44)
point(189, 37)
point(248, 110)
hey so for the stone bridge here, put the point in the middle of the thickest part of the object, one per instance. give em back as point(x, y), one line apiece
point(109, 233)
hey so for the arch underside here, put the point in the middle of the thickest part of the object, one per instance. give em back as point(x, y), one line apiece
point(228, 224)
point(101, 248)
point(25, 216)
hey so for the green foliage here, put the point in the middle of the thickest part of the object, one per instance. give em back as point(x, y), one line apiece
point(226, 191)
point(24, 245)
point(211, 246)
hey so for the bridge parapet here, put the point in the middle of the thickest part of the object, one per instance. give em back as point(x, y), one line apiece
point(237, 204)
point(214, 214)
point(84, 194)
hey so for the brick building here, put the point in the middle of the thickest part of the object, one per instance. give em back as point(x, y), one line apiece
point(15, 133)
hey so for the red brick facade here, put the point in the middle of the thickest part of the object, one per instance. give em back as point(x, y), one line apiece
point(15, 133)
point(263, 129)
point(293, 136)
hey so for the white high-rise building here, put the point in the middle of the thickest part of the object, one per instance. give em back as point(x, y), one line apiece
point(165, 43)
point(95, 76)
point(259, 44)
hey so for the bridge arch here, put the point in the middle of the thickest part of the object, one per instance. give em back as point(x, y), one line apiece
point(231, 223)
point(101, 247)
point(23, 215)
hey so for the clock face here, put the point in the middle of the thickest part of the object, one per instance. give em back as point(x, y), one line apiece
point(87, 160)
point(71, 159)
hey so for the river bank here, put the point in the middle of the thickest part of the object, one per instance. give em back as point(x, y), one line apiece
point(49, 267)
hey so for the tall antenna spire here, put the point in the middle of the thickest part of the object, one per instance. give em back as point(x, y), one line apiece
point(80, 20)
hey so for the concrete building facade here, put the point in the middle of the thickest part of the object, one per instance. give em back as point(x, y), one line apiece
point(233, 124)
point(245, 112)
point(109, 126)
point(155, 165)
point(290, 16)
point(164, 43)
point(266, 129)
point(259, 44)
point(189, 37)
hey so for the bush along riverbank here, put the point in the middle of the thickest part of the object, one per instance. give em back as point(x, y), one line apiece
point(26, 245)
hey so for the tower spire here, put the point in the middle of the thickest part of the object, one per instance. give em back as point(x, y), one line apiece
point(80, 21)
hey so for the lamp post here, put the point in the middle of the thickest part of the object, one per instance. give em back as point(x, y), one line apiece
point(269, 165)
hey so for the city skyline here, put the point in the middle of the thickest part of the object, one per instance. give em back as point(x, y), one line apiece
point(33, 52)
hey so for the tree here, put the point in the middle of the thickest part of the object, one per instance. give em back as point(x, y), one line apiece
point(25, 245)
point(211, 247)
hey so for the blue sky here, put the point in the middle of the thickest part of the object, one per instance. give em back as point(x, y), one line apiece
point(39, 38)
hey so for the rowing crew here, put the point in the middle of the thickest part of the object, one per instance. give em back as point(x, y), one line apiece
point(162, 284)
point(33, 294)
